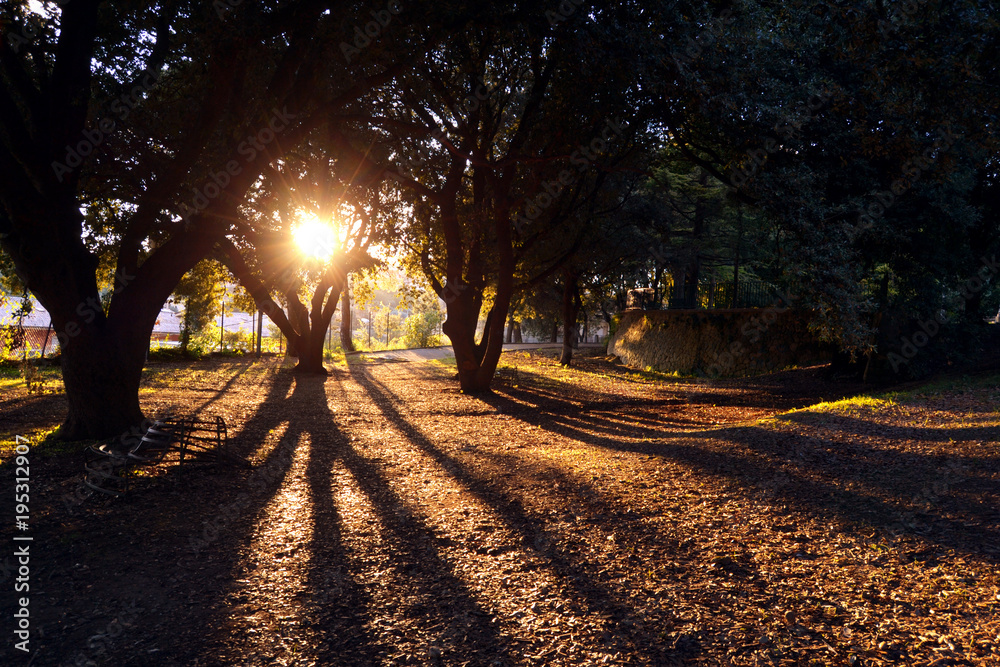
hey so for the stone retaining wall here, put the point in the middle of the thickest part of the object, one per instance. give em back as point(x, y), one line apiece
point(735, 342)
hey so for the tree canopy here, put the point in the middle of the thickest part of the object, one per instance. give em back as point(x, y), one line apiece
point(500, 148)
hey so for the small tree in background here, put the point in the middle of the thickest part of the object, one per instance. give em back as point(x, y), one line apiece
point(423, 322)
point(201, 289)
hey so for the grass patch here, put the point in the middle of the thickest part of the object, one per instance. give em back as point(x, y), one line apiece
point(41, 442)
point(951, 385)
point(335, 357)
point(34, 378)
point(10, 383)
point(854, 405)
point(868, 404)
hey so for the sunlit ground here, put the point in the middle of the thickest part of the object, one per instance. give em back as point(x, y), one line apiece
point(575, 517)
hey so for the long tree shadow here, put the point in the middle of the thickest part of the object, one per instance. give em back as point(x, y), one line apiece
point(853, 425)
point(237, 374)
point(962, 522)
point(220, 529)
point(434, 597)
point(607, 413)
point(330, 597)
point(331, 607)
point(150, 554)
point(580, 576)
point(779, 391)
point(237, 606)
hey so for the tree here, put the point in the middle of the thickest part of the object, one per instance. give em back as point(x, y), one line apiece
point(303, 233)
point(201, 289)
point(146, 124)
point(501, 138)
point(346, 328)
point(424, 319)
point(851, 131)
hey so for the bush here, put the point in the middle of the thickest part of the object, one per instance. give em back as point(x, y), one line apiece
point(229, 353)
point(420, 330)
point(164, 353)
point(616, 319)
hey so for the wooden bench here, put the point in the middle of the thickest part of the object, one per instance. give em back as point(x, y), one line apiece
point(190, 440)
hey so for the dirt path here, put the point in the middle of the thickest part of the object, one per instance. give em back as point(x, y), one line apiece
point(577, 517)
point(445, 351)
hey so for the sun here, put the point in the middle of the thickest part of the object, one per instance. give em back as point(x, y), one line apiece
point(315, 238)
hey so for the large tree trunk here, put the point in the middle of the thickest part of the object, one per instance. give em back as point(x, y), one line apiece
point(102, 371)
point(477, 363)
point(310, 342)
point(571, 310)
point(346, 326)
point(492, 342)
point(462, 306)
point(464, 286)
point(102, 355)
point(310, 348)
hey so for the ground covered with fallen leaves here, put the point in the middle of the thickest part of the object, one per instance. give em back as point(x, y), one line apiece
point(584, 516)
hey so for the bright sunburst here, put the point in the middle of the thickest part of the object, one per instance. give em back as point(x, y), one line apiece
point(315, 238)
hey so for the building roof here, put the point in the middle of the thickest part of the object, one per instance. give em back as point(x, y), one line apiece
point(167, 322)
point(236, 321)
point(38, 318)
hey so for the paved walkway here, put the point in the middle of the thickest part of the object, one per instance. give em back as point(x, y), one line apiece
point(428, 353)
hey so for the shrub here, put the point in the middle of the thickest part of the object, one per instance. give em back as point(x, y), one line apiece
point(420, 330)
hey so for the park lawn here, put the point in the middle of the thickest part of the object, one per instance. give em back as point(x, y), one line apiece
point(592, 515)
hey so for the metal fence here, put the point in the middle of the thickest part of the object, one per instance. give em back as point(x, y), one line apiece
point(711, 294)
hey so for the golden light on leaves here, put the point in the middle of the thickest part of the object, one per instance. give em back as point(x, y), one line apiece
point(316, 239)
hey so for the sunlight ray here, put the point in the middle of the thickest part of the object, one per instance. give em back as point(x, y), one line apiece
point(508, 572)
point(272, 574)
